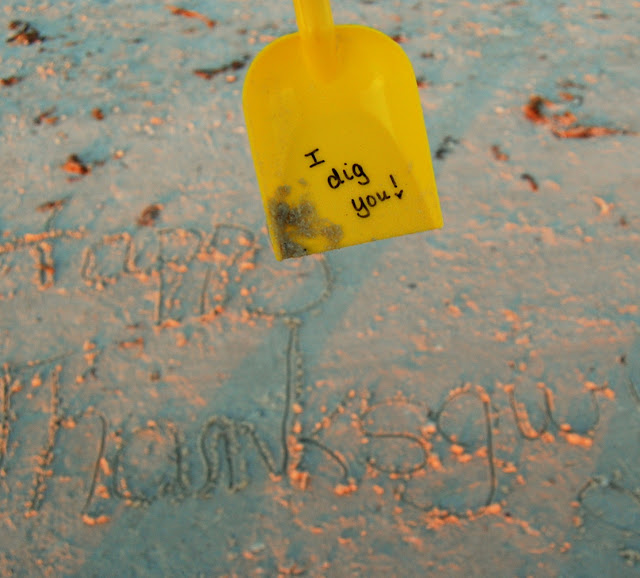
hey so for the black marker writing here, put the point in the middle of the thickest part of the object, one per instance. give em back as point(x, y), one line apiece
point(316, 162)
point(335, 179)
point(399, 193)
point(363, 206)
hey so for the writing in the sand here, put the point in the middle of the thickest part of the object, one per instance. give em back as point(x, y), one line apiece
point(355, 172)
point(196, 271)
point(138, 465)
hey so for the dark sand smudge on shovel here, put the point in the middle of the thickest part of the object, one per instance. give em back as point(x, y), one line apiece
point(291, 222)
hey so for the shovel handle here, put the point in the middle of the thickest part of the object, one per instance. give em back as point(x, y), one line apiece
point(313, 17)
point(317, 31)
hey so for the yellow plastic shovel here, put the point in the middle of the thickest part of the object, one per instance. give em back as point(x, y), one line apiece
point(338, 137)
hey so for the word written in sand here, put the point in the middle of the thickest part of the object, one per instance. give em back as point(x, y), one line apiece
point(447, 444)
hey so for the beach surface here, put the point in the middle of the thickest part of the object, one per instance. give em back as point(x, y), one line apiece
point(460, 402)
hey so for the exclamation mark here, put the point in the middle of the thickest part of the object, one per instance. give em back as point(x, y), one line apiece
point(399, 193)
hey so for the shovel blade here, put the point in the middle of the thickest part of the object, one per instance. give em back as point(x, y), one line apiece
point(344, 159)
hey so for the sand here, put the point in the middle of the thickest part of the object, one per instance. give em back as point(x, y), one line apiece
point(173, 401)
